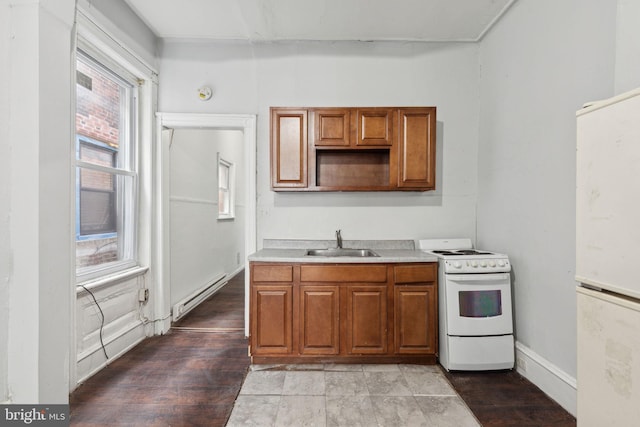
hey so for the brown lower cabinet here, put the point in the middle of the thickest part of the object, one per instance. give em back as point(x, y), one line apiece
point(319, 319)
point(271, 321)
point(359, 313)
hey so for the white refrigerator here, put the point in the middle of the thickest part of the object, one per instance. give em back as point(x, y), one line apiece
point(608, 262)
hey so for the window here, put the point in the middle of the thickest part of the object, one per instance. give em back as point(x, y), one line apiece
point(96, 191)
point(226, 202)
point(106, 175)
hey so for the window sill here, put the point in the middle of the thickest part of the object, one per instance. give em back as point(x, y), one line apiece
point(111, 279)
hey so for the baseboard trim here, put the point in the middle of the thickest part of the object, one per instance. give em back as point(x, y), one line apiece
point(162, 326)
point(552, 380)
point(235, 272)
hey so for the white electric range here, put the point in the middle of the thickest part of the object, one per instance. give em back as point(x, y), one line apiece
point(475, 313)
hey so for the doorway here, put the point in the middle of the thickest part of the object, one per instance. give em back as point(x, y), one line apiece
point(195, 124)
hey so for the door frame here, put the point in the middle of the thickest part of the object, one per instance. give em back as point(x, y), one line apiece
point(161, 241)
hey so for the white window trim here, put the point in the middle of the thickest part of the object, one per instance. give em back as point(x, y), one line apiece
point(129, 220)
point(108, 50)
point(92, 38)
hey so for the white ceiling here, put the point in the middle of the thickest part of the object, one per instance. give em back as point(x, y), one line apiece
point(369, 20)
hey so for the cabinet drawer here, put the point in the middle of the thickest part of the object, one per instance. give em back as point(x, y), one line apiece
point(272, 273)
point(416, 273)
point(343, 273)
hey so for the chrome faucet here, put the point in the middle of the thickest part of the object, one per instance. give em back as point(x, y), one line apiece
point(338, 239)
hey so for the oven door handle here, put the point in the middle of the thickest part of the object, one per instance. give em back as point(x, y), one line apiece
point(479, 277)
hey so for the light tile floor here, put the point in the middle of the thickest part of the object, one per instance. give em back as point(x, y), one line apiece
point(349, 395)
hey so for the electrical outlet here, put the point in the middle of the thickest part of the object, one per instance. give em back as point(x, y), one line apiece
point(522, 364)
point(143, 295)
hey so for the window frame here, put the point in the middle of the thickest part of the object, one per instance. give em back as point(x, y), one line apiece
point(127, 168)
point(230, 214)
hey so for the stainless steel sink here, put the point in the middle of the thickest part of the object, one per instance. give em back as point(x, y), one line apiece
point(332, 252)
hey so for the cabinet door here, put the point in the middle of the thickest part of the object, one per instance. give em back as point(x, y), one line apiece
point(288, 148)
point(375, 127)
point(332, 127)
point(319, 319)
point(271, 319)
point(417, 139)
point(415, 319)
point(366, 314)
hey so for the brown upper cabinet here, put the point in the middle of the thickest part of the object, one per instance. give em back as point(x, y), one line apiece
point(289, 154)
point(353, 149)
point(417, 145)
point(332, 127)
point(375, 127)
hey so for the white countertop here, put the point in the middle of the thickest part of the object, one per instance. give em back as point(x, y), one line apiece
point(389, 251)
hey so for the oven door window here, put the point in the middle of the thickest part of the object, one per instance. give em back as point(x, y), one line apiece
point(477, 304)
point(480, 303)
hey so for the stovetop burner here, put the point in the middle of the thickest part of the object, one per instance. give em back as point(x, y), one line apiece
point(461, 252)
point(457, 256)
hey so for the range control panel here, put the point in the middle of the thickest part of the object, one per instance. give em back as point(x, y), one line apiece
point(477, 265)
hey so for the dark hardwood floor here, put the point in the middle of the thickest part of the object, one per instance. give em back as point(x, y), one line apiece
point(192, 375)
point(188, 377)
point(505, 398)
point(224, 311)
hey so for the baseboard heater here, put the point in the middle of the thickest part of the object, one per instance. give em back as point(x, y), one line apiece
point(190, 302)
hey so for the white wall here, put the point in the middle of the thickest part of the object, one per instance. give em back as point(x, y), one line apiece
point(124, 326)
point(628, 46)
point(541, 62)
point(203, 247)
point(36, 199)
point(5, 188)
point(250, 78)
